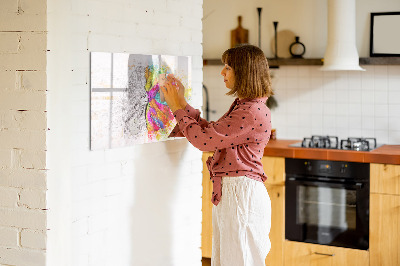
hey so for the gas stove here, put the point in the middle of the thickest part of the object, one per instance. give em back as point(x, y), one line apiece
point(332, 142)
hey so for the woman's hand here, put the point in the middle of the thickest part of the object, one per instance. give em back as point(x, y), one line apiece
point(174, 93)
point(181, 90)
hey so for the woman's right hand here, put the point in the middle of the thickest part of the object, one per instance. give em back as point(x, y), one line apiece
point(181, 89)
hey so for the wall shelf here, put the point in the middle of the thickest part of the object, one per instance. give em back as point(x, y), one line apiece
point(274, 63)
point(380, 61)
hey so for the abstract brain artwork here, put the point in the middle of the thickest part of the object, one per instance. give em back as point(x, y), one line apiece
point(127, 105)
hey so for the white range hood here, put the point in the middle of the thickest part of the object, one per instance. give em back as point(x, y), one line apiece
point(341, 51)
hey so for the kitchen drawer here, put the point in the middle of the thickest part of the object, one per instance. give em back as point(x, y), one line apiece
point(305, 254)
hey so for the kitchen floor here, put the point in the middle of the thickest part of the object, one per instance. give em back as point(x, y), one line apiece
point(206, 261)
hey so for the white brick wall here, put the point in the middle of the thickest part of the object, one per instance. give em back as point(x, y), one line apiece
point(117, 207)
point(11, 256)
point(23, 132)
point(9, 237)
point(107, 207)
point(33, 239)
point(8, 197)
point(23, 218)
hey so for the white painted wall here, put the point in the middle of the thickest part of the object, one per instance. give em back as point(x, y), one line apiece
point(137, 205)
point(306, 18)
point(23, 133)
point(344, 103)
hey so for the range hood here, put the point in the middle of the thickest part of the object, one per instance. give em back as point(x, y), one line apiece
point(341, 51)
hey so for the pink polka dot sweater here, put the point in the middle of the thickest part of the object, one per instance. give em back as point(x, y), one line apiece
point(238, 139)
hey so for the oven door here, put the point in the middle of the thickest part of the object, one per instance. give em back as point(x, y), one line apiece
point(327, 213)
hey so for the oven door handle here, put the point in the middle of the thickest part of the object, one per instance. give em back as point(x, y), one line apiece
point(357, 185)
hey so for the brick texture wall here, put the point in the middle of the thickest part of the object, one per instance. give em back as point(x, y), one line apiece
point(60, 203)
point(23, 119)
point(138, 205)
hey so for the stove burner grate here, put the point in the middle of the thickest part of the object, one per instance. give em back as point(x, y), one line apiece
point(332, 142)
point(358, 144)
point(327, 142)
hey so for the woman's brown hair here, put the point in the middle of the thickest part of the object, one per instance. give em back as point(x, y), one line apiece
point(250, 66)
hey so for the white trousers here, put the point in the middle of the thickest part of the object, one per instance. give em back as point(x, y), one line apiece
point(241, 223)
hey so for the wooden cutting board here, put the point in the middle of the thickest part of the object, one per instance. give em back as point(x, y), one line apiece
point(239, 35)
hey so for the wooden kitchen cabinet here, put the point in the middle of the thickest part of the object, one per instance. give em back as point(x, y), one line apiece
point(274, 168)
point(206, 225)
point(384, 215)
point(385, 178)
point(277, 233)
point(384, 236)
point(305, 254)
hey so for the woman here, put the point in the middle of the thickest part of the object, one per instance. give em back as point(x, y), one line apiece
point(242, 211)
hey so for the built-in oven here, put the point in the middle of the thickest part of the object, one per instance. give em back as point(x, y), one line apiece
point(327, 202)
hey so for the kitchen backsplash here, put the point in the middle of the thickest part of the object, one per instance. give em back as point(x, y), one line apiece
point(314, 102)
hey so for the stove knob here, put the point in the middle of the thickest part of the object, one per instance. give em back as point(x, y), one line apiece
point(308, 166)
point(343, 168)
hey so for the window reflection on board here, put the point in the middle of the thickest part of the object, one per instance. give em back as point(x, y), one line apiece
point(127, 106)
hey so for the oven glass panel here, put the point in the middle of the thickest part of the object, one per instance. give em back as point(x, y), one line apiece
point(326, 207)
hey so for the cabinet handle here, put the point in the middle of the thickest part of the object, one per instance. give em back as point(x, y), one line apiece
point(324, 254)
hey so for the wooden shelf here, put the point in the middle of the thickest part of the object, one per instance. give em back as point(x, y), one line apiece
point(273, 63)
point(380, 61)
point(294, 62)
point(212, 62)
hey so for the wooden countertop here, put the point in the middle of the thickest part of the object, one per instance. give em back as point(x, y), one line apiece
point(389, 154)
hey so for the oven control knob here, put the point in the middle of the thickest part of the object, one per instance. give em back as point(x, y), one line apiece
point(343, 168)
point(308, 166)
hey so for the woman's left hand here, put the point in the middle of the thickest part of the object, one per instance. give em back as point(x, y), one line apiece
point(171, 95)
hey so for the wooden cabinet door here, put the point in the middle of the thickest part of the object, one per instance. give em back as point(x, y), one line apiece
point(274, 168)
point(384, 236)
point(304, 254)
point(277, 233)
point(385, 178)
point(206, 226)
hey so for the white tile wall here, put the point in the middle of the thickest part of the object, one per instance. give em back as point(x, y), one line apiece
point(312, 102)
point(342, 103)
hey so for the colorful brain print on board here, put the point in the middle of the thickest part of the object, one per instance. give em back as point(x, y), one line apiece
point(127, 106)
point(160, 120)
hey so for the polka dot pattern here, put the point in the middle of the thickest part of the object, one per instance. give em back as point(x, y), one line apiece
point(238, 139)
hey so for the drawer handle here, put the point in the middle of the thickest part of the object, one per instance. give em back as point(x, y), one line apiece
point(324, 254)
